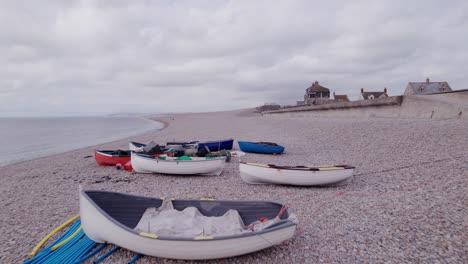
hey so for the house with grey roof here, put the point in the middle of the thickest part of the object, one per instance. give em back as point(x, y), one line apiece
point(373, 95)
point(427, 87)
point(316, 94)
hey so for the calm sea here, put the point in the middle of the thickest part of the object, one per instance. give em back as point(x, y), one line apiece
point(28, 138)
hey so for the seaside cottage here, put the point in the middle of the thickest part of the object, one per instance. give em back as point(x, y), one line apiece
point(373, 95)
point(316, 94)
point(427, 87)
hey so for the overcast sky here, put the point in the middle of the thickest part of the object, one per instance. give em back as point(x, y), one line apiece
point(96, 57)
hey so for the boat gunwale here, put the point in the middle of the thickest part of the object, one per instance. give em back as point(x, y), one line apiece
point(217, 141)
point(264, 145)
point(307, 168)
point(284, 223)
point(201, 142)
point(158, 159)
point(103, 152)
point(137, 143)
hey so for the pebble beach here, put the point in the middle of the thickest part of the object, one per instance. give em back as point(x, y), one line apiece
point(407, 201)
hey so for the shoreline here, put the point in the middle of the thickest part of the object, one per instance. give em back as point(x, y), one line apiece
point(164, 125)
point(158, 119)
point(406, 195)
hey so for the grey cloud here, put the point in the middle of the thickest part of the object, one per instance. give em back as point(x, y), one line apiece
point(118, 56)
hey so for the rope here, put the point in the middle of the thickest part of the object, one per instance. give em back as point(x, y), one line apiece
point(38, 246)
point(285, 206)
point(97, 250)
point(44, 254)
point(134, 259)
point(101, 258)
point(68, 239)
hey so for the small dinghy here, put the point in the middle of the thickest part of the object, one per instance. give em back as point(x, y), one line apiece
point(111, 157)
point(151, 148)
point(298, 175)
point(261, 147)
point(217, 145)
point(184, 229)
point(135, 146)
point(180, 166)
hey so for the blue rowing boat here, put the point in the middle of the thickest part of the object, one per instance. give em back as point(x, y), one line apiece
point(261, 147)
point(215, 145)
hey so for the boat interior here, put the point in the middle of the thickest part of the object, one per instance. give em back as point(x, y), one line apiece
point(128, 209)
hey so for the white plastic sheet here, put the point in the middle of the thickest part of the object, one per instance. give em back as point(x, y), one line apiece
point(189, 223)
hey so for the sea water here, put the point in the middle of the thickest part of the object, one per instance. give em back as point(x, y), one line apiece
point(28, 138)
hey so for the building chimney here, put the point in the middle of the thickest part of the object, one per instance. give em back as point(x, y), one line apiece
point(385, 90)
point(427, 80)
point(362, 90)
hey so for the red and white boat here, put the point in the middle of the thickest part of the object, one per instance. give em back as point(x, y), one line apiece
point(111, 157)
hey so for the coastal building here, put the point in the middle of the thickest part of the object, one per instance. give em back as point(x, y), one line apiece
point(427, 87)
point(340, 98)
point(316, 94)
point(300, 103)
point(373, 95)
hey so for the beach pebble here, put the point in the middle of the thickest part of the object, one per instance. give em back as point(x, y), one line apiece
point(405, 204)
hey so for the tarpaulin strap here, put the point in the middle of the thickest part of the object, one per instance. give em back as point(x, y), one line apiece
point(285, 206)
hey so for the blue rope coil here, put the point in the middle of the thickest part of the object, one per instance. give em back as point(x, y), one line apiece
point(78, 249)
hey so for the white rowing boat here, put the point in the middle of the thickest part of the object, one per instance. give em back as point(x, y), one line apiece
point(254, 173)
point(195, 166)
point(119, 218)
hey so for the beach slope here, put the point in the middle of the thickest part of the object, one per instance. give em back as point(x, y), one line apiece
point(406, 202)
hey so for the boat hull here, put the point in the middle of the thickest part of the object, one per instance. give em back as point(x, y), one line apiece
point(197, 166)
point(217, 145)
point(135, 146)
point(105, 159)
point(252, 147)
point(100, 227)
point(254, 174)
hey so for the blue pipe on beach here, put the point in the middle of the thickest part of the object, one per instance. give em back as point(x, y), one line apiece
point(64, 236)
point(101, 258)
point(134, 259)
point(62, 251)
point(78, 250)
point(46, 253)
point(97, 250)
point(74, 252)
point(69, 255)
point(88, 245)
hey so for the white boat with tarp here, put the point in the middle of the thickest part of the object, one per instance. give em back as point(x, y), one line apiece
point(184, 229)
point(180, 165)
point(183, 149)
